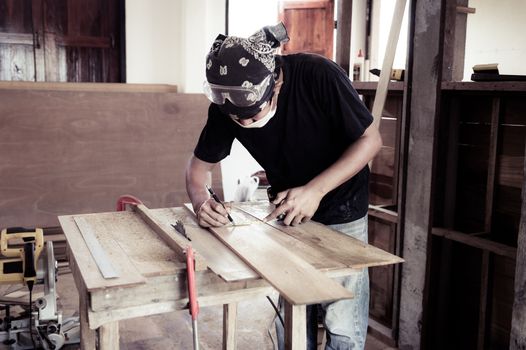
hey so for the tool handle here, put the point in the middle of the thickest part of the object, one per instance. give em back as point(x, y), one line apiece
point(192, 290)
point(127, 199)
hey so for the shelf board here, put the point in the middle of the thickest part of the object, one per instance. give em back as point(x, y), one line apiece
point(474, 241)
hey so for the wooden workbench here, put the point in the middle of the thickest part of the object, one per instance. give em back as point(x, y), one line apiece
point(152, 278)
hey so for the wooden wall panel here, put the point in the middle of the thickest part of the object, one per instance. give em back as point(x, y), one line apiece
point(67, 152)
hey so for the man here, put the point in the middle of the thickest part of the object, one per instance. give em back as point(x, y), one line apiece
point(301, 119)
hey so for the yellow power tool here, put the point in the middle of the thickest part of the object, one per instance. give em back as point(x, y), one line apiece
point(21, 248)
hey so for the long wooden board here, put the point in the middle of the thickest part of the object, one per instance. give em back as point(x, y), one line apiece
point(349, 251)
point(221, 260)
point(311, 254)
point(174, 240)
point(296, 280)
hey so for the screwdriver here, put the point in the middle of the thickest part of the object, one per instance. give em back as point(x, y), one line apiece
point(216, 198)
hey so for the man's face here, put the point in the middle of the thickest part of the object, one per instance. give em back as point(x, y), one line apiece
point(247, 121)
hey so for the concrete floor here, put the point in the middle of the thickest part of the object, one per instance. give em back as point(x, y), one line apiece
point(174, 330)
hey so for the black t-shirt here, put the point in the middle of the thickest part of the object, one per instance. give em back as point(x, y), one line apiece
point(319, 115)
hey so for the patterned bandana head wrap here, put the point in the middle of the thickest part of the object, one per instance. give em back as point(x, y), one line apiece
point(234, 61)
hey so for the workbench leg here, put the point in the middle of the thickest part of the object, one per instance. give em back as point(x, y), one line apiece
point(295, 326)
point(229, 326)
point(109, 336)
point(87, 336)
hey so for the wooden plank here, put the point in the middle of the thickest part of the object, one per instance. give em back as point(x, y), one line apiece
point(109, 336)
point(518, 333)
point(16, 38)
point(343, 34)
point(295, 330)
point(390, 51)
point(423, 101)
point(219, 258)
point(88, 268)
point(297, 281)
point(311, 255)
point(94, 87)
point(96, 319)
point(476, 242)
point(485, 290)
point(87, 335)
point(454, 41)
point(511, 86)
point(492, 163)
point(171, 238)
point(338, 246)
point(96, 250)
point(229, 326)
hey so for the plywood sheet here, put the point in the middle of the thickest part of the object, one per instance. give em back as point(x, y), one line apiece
point(340, 247)
point(75, 152)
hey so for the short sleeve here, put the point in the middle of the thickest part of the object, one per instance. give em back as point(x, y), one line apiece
point(347, 110)
point(216, 137)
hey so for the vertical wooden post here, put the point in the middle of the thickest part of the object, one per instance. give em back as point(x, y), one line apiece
point(229, 326)
point(109, 336)
point(87, 335)
point(518, 319)
point(424, 110)
point(343, 34)
point(295, 326)
point(454, 41)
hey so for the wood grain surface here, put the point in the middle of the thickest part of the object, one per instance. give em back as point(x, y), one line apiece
point(296, 280)
point(338, 246)
point(75, 152)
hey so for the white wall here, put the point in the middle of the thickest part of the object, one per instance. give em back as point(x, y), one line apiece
point(381, 25)
point(167, 40)
point(496, 34)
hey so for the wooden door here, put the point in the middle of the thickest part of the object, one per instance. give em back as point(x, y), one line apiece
point(310, 25)
point(61, 40)
point(17, 60)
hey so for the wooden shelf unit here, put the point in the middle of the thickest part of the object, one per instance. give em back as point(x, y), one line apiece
point(476, 214)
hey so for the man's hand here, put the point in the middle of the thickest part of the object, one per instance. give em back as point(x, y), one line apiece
point(298, 204)
point(212, 214)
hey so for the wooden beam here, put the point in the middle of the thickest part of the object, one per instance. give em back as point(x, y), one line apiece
point(177, 243)
point(477, 242)
point(416, 214)
point(454, 41)
point(492, 163)
point(109, 336)
point(229, 326)
point(390, 51)
point(518, 319)
point(295, 330)
point(343, 34)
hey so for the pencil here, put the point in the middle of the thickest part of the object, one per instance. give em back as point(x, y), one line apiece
point(216, 198)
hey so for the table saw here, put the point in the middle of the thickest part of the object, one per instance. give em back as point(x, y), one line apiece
point(232, 263)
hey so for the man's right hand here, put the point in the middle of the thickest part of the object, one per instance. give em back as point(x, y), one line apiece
point(212, 214)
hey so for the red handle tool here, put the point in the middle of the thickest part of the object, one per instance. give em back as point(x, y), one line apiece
point(192, 293)
point(127, 199)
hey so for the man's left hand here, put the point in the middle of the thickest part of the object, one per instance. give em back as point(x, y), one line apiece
point(298, 204)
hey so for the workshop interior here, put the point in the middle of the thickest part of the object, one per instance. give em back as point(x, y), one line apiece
point(101, 108)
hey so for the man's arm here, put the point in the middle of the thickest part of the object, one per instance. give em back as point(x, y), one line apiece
point(300, 203)
point(208, 211)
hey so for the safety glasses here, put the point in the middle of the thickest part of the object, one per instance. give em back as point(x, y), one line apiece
point(240, 96)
